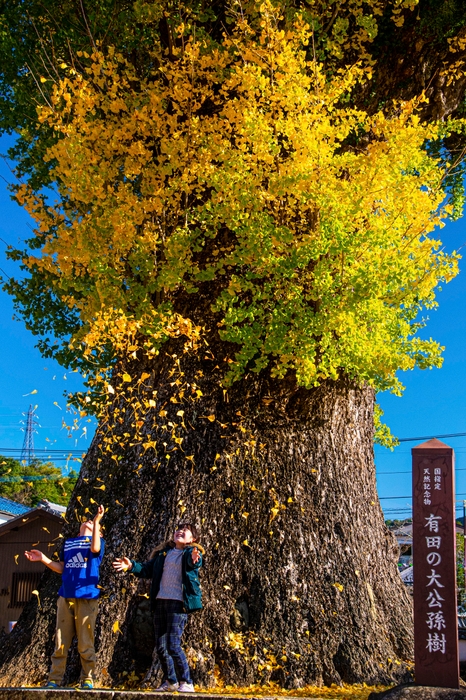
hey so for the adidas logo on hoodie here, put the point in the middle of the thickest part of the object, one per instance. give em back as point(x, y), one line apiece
point(77, 562)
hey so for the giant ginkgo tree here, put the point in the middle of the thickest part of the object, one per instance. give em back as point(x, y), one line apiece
point(236, 212)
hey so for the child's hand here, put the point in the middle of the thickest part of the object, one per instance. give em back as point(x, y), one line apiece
point(99, 515)
point(34, 555)
point(122, 564)
point(195, 555)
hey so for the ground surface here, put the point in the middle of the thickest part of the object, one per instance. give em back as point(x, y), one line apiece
point(356, 692)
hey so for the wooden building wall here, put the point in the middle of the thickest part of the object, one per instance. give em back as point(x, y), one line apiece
point(18, 576)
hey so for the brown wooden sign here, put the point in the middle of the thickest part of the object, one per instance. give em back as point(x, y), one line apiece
point(434, 566)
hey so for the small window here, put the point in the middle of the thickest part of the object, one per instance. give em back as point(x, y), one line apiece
point(22, 586)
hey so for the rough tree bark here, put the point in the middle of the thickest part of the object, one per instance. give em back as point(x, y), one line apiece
point(300, 580)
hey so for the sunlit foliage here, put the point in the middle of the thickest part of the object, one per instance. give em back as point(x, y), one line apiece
point(240, 165)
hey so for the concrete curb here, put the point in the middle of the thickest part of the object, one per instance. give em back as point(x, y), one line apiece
point(100, 694)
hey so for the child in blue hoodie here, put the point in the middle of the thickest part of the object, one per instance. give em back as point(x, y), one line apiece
point(77, 606)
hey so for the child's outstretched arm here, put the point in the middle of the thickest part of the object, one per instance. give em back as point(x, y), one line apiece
point(123, 564)
point(196, 555)
point(36, 555)
point(196, 558)
point(140, 570)
point(95, 542)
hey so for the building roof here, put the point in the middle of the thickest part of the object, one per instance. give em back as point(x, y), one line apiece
point(31, 514)
point(54, 507)
point(11, 507)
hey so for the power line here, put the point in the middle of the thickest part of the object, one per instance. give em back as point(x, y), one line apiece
point(44, 450)
point(431, 437)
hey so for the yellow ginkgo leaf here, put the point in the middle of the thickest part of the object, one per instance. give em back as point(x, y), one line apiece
point(338, 586)
point(126, 377)
point(116, 626)
point(16, 558)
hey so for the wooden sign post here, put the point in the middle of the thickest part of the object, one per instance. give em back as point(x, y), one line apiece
point(434, 566)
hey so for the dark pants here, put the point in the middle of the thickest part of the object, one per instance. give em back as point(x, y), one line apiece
point(169, 622)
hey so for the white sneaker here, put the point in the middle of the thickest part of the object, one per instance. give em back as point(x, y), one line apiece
point(167, 687)
point(185, 687)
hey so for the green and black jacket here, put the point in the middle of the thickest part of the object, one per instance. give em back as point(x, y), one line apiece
point(192, 594)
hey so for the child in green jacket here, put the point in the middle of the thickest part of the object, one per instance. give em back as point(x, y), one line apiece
point(175, 592)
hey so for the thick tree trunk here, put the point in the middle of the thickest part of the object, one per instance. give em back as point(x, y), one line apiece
point(300, 580)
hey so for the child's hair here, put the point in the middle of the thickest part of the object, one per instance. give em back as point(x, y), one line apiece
point(171, 543)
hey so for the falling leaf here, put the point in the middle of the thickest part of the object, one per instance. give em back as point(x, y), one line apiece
point(246, 543)
point(34, 391)
point(116, 626)
point(16, 559)
point(245, 515)
point(110, 389)
point(144, 376)
point(55, 403)
point(119, 504)
point(182, 509)
point(274, 512)
point(211, 418)
point(227, 588)
point(126, 377)
point(180, 413)
point(38, 598)
point(102, 488)
point(338, 586)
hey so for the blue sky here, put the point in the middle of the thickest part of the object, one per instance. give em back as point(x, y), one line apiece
point(434, 402)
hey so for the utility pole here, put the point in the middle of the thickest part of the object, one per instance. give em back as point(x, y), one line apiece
point(27, 453)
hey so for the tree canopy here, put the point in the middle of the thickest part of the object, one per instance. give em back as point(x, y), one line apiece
point(238, 155)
